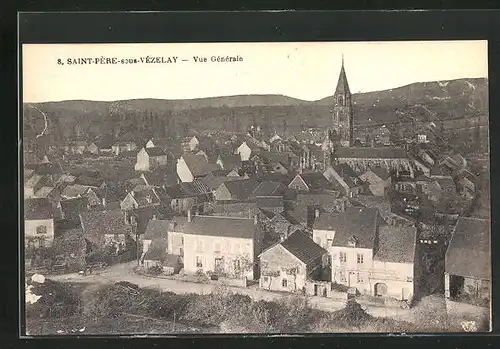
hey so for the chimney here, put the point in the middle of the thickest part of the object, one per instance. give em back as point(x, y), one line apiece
point(316, 213)
point(255, 220)
point(189, 215)
point(104, 202)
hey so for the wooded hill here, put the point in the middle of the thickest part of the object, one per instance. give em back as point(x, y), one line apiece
point(141, 118)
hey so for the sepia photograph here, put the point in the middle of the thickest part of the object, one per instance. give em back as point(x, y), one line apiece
point(255, 188)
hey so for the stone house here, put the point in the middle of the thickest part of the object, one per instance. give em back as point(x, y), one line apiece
point(141, 196)
point(287, 265)
point(186, 196)
point(394, 266)
point(375, 261)
point(229, 162)
point(107, 228)
point(468, 260)
point(310, 182)
point(247, 149)
point(120, 147)
point(38, 223)
point(224, 245)
point(345, 180)
point(151, 158)
point(378, 179)
point(191, 167)
point(240, 190)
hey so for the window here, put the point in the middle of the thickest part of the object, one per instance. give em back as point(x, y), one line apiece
point(284, 283)
point(149, 199)
point(360, 278)
point(237, 265)
point(343, 257)
point(217, 247)
point(329, 242)
point(199, 262)
point(41, 241)
point(199, 246)
point(265, 278)
point(341, 100)
point(342, 276)
point(360, 258)
point(41, 229)
point(409, 279)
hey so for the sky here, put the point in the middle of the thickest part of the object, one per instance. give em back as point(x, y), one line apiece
point(307, 71)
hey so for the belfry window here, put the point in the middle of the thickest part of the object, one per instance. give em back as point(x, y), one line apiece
point(341, 100)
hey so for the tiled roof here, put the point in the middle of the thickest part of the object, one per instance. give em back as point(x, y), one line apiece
point(75, 190)
point(447, 185)
point(89, 181)
point(28, 173)
point(315, 199)
point(273, 157)
point(33, 181)
point(187, 190)
point(75, 206)
point(221, 226)
point(381, 172)
point(348, 175)
point(156, 228)
point(39, 208)
point(354, 221)
point(155, 151)
point(43, 192)
point(96, 224)
point(243, 207)
point(143, 215)
point(285, 215)
point(214, 182)
point(275, 177)
point(469, 253)
point(396, 244)
point(157, 251)
point(242, 189)
point(269, 201)
point(198, 165)
point(230, 161)
point(371, 153)
point(303, 247)
point(315, 180)
point(382, 203)
point(141, 195)
point(268, 188)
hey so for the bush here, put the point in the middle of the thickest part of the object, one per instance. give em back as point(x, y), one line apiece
point(155, 270)
point(57, 300)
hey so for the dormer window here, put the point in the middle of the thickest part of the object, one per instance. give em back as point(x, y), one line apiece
point(353, 241)
point(149, 199)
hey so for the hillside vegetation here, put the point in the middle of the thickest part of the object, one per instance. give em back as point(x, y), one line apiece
point(444, 100)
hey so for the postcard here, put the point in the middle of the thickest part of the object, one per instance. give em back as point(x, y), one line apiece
point(298, 187)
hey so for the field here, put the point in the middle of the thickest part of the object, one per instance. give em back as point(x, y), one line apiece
point(123, 310)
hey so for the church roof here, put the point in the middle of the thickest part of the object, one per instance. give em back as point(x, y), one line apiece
point(371, 153)
point(342, 84)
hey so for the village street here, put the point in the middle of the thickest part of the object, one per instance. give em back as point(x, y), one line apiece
point(126, 272)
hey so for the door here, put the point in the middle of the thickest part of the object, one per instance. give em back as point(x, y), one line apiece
point(380, 289)
point(315, 290)
point(219, 265)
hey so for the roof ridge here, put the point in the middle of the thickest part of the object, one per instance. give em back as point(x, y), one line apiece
point(228, 217)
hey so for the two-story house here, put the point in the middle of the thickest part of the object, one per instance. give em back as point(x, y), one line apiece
point(151, 158)
point(378, 261)
point(349, 237)
point(38, 223)
point(345, 180)
point(289, 264)
point(224, 245)
point(191, 167)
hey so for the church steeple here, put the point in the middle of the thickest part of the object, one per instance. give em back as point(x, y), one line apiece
point(342, 84)
point(342, 118)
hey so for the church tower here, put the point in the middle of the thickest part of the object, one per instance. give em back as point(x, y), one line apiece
point(342, 117)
